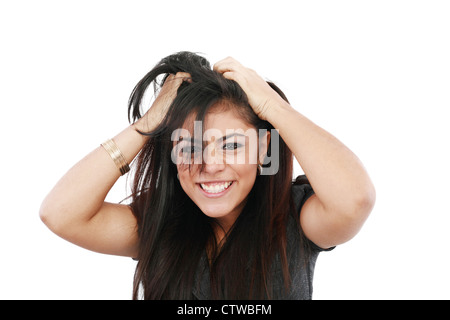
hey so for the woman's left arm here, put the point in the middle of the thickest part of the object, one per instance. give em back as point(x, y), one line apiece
point(344, 194)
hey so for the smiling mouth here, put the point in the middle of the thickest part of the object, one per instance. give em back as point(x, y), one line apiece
point(215, 187)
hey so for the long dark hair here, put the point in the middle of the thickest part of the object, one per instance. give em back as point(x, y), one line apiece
point(173, 232)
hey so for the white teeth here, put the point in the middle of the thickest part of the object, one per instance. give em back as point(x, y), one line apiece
point(215, 187)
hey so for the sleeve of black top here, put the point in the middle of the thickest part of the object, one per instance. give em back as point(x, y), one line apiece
point(302, 190)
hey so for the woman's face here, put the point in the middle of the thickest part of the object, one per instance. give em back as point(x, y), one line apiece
point(230, 160)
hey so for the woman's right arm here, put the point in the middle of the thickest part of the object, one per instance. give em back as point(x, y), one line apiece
point(75, 209)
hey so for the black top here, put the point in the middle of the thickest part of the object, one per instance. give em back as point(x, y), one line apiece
point(301, 266)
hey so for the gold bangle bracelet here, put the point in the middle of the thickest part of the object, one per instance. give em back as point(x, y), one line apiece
point(117, 156)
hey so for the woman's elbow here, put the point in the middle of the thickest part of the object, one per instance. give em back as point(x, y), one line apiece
point(47, 214)
point(52, 216)
point(364, 202)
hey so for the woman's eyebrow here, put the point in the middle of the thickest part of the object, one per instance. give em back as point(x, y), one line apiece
point(231, 135)
point(225, 137)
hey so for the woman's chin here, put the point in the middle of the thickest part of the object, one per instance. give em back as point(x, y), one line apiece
point(224, 212)
point(216, 212)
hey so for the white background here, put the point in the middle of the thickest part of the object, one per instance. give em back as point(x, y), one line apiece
point(376, 74)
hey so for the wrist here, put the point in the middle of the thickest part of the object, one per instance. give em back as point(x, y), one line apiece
point(145, 124)
point(130, 142)
point(276, 112)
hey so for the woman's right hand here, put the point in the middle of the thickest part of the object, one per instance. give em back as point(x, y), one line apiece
point(160, 106)
point(76, 210)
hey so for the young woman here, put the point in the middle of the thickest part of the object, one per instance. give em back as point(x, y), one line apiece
point(214, 212)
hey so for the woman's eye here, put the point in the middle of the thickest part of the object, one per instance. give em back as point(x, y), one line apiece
point(232, 146)
point(190, 150)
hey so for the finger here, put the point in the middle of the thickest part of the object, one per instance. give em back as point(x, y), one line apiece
point(179, 75)
point(219, 66)
point(173, 81)
point(184, 76)
point(235, 76)
point(227, 64)
point(229, 60)
point(178, 78)
point(222, 67)
point(230, 75)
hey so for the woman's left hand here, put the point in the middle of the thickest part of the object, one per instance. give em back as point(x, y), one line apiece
point(343, 193)
point(261, 96)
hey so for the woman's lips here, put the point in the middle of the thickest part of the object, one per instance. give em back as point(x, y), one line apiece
point(215, 189)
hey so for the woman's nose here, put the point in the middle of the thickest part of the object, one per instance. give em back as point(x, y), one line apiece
point(213, 161)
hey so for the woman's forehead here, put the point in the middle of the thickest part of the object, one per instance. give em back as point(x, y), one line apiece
point(219, 124)
point(222, 116)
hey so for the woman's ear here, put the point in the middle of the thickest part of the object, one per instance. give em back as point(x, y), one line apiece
point(264, 141)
